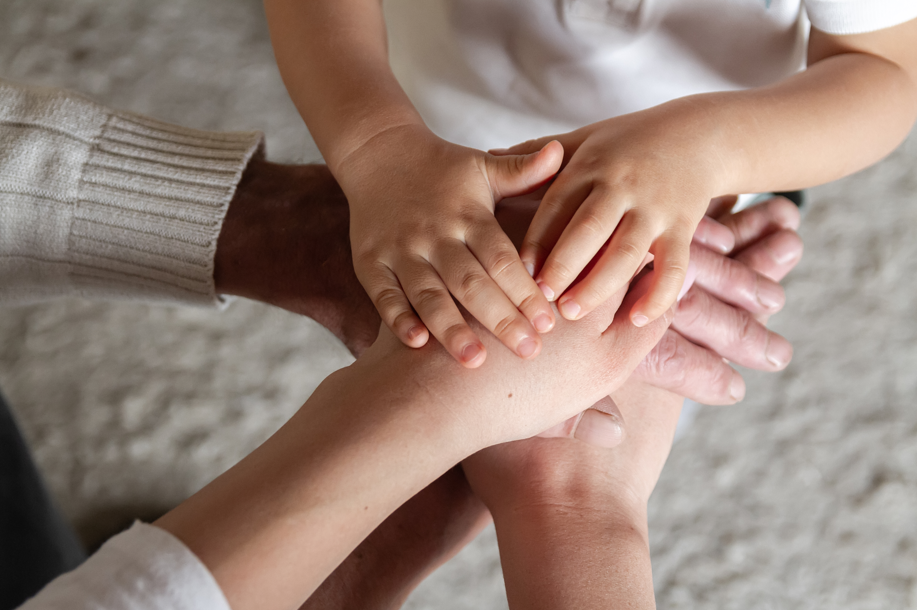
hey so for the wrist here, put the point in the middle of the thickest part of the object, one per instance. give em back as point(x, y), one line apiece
point(715, 141)
point(284, 241)
point(394, 143)
point(364, 138)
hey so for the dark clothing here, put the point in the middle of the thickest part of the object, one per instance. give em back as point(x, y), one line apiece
point(36, 543)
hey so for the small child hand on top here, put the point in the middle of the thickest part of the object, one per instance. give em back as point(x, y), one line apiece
point(631, 186)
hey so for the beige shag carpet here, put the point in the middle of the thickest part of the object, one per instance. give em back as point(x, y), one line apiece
point(804, 496)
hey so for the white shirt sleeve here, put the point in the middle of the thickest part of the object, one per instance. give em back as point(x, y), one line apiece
point(841, 17)
point(144, 568)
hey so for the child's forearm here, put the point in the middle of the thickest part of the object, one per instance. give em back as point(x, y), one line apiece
point(333, 57)
point(854, 104)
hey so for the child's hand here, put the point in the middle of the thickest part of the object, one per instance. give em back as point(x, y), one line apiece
point(423, 226)
point(639, 183)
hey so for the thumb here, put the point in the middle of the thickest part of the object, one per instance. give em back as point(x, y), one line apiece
point(601, 425)
point(525, 148)
point(518, 174)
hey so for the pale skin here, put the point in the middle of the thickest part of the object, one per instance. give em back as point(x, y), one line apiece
point(639, 183)
point(373, 435)
point(433, 525)
point(571, 517)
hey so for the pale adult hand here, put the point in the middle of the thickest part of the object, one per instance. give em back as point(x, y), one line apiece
point(722, 315)
point(571, 516)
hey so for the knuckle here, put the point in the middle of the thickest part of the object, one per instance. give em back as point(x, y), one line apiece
point(536, 246)
point(503, 325)
point(593, 224)
point(561, 271)
point(690, 310)
point(749, 332)
point(470, 284)
point(592, 293)
point(404, 320)
point(531, 301)
point(501, 261)
point(429, 297)
point(668, 360)
point(390, 300)
point(629, 250)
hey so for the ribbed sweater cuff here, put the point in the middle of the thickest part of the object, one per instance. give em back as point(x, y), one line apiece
point(151, 201)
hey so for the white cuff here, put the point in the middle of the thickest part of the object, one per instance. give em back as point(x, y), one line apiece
point(144, 568)
point(841, 17)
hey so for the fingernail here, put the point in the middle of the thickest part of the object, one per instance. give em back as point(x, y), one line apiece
point(543, 323)
point(530, 268)
point(599, 429)
point(639, 320)
point(570, 309)
point(470, 353)
point(715, 242)
point(769, 296)
point(414, 332)
point(548, 293)
point(737, 387)
point(787, 256)
point(526, 347)
point(779, 352)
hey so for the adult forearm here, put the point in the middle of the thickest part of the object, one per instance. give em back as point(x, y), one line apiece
point(273, 527)
point(333, 57)
point(562, 556)
point(572, 523)
point(428, 530)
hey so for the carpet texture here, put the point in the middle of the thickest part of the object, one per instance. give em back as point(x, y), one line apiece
point(803, 496)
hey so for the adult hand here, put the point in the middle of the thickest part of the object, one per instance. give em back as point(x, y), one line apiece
point(285, 242)
point(571, 516)
point(723, 314)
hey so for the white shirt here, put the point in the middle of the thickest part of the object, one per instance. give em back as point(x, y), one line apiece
point(490, 73)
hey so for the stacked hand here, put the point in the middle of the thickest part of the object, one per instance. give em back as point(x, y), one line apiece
point(423, 231)
point(631, 186)
point(720, 312)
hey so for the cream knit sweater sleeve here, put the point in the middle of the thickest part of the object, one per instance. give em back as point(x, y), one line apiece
point(107, 204)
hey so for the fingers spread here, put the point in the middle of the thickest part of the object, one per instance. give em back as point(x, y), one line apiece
point(679, 366)
point(760, 220)
point(736, 283)
point(731, 332)
point(386, 293)
point(433, 303)
point(615, 267)
point(774, 256)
